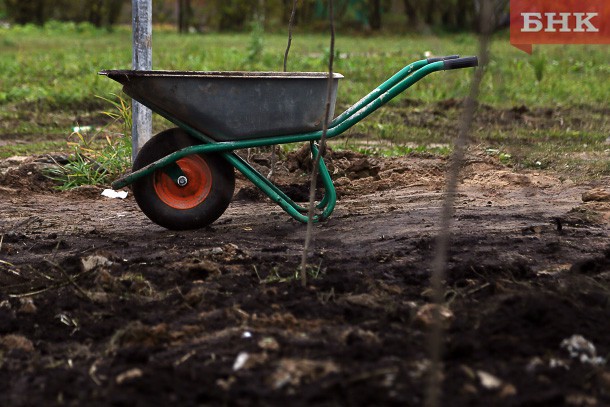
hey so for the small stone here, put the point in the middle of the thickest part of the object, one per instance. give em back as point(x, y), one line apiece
point(245, 360)
point(90, 262)
point(558, 363)
point(581, 400)
point(343, 181)
point(534, 364)
point(363, 300)
point(10, 342)
point(469, 389)
point(596, 195)
point(99, 297)
point(27, 306)
point(225, 384)
point(129, 375)
point(425, 315)
point(269, 343)
point(105, 280)
point(296, 371)
point(533, 230)
point(195, 296)
point(582, 349)
point(354, 335)
point(240, 360)
point(508, 390)
point(488, 380)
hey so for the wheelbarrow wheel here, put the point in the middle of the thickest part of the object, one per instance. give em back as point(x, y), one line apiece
point(210, 182)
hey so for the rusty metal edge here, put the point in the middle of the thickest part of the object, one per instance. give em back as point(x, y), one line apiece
point(220, 74)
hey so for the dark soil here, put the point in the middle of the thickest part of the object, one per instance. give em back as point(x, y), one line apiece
point(99, 306)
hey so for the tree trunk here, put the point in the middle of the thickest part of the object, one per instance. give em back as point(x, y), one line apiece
point(184, 15)
point(113, 11)
point(430, 12)
point(411, 12)
point(95, 12)
point(375, 14)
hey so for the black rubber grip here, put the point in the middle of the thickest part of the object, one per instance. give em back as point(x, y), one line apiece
point(436, 59)
point(459, 63)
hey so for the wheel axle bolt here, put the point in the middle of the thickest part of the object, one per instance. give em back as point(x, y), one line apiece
point(182, 181)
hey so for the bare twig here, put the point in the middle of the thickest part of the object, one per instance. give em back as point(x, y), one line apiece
point(69, 279)
point(55, 249)
point(321, 150)
point(10, 268)
point(433, 390)
point(7, 263)
point(272, 164)
point(58, 284)
point(93, 373)
point(290, 26)
point(36, 292)
point(43, 275)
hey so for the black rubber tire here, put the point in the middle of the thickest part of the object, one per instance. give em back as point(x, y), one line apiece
point(205, 212)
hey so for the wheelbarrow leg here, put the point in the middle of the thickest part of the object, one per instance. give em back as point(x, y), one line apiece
point(272, 191)
point(329, 200)
point(257, 178)
point(296, 211)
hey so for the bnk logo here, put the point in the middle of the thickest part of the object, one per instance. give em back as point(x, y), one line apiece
point(559, 22)
point(533, 22)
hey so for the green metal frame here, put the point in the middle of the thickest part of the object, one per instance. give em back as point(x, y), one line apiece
point(389, 89)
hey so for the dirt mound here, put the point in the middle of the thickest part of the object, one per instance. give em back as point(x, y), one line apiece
point(18, 174)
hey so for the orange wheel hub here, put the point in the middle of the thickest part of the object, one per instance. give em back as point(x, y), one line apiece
point(194, 192)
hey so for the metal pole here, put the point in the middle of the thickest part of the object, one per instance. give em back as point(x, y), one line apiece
point(141, 13)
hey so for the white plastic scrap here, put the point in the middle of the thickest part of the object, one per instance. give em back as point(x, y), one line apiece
point(580, 348)
point(82, 129)
point(240, 360)
point(555, 363)
point(488, 380)
point(111, 193)
point(93, 261)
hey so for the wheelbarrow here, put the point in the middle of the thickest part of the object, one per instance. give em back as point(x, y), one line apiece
point(184, 178)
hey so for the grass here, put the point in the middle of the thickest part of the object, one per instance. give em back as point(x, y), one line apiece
point(49, 84)
point(95, 161)
point(274, 275)
point(92, 164)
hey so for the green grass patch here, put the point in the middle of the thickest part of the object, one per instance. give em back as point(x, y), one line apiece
point(33, 148)
point(93, 162)
point(55, 67)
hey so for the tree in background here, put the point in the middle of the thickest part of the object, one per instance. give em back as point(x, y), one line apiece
point(237, 15)
point(453, 15)
point(23, 12)
point(185, 13)
point(97, 12)
point(102, 12)
point(375, 14)
point(234, 14)
point(2, 9)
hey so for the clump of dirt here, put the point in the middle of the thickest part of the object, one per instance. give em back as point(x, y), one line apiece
point(343, 163)
point(19, 174)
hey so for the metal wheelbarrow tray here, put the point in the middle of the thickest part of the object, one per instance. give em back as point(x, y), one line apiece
point(235, 105)
point(183, 178)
